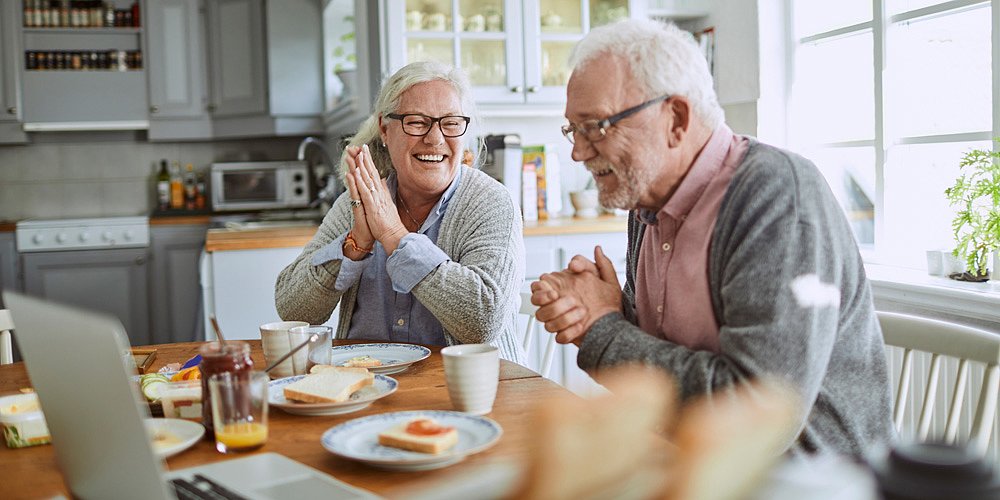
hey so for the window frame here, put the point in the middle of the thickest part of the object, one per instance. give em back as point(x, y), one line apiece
point(879, 26)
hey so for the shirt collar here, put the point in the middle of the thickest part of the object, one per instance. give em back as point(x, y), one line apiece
point(393, 183)
point(705, 167)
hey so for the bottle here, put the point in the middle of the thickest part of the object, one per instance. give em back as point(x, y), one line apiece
point(176, 187)
point(201, 194)
point(163, 187)
point(190, 187)
point(136, 22)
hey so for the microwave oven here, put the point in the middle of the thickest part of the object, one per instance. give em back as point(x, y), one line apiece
point(259, 185)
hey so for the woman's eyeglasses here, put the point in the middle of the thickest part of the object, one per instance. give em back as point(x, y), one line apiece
point(420, 125)
point(596, 130)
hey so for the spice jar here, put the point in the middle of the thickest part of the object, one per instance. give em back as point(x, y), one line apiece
point(216, 357)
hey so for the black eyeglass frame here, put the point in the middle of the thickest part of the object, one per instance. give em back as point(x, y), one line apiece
point(397, 116)
point(602, 126)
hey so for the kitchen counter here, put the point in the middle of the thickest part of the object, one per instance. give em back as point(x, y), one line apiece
point(250, 238)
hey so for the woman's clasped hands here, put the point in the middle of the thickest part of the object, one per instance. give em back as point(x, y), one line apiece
point(375, 214)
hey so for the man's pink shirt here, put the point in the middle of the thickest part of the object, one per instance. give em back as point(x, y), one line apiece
point(672, 290)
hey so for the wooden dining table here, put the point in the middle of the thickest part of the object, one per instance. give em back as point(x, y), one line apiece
point(34, 473)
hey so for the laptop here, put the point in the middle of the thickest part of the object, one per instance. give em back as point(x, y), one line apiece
point(77, 361)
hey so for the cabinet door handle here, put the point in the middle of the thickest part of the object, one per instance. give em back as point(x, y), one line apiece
point(140, 261)
point(12, 110)
point(517, 89)
point(211, 108)
point(533, 89)
point(154, 109)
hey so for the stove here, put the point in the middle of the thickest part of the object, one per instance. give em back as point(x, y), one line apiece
point(37, 235)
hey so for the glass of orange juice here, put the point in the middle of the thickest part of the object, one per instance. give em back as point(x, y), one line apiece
point(239, 410)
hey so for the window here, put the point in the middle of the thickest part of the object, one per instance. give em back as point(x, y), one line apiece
point(886, 96)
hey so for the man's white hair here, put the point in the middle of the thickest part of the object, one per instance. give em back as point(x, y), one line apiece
point(663, 59)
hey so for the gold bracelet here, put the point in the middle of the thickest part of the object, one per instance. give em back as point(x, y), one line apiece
point(354, 244)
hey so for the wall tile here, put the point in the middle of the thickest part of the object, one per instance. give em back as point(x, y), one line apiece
point(11, 201)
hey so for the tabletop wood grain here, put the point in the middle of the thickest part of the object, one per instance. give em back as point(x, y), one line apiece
point(422, 387)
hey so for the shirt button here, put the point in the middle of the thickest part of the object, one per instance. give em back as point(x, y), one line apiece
point(659, 309)
point(666, 247)
point(400, 322)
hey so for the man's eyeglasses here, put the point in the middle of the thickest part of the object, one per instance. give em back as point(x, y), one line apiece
point(596, 130)
point(420, 125)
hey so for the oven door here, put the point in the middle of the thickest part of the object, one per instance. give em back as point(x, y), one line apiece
point(113, 280)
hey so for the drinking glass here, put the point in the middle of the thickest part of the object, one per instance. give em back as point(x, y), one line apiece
point(320, 350)
point(239, 410)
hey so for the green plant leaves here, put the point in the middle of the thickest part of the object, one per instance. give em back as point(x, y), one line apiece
point(976, 194)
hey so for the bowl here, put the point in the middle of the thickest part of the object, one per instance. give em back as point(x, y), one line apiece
point(585, 203)
point(22, 421)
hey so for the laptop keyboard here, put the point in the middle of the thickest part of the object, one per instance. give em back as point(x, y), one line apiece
point(202, 487)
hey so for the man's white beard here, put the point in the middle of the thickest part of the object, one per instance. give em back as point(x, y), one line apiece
point(629, 180)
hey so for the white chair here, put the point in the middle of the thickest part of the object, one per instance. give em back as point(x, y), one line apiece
point(940, 339)
point(6, 325)
point(528, 309)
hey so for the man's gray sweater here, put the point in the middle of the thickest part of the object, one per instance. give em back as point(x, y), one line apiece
point(792, 301)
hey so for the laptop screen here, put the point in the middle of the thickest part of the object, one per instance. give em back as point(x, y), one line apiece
point(77, 361)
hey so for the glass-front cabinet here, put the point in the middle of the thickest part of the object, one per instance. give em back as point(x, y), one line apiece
point(514, 52)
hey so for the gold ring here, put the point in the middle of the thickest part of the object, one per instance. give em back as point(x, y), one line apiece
point(355, 203)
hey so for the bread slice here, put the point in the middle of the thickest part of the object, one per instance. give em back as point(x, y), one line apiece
point(365, 361)
point(398, 437)
point(331, 385)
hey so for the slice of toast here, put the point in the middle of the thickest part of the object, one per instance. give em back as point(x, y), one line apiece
point(398, 437)
point(329, 385)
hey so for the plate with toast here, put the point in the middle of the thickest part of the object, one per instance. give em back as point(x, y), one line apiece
point(391, 440)
point(384, 358)
point(329, 391)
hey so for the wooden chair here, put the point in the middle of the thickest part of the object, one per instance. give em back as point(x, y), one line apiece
point(534, 330)
point(6, 325)
point(943, 339)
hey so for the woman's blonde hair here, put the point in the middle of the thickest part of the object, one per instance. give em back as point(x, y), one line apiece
point(388, 102)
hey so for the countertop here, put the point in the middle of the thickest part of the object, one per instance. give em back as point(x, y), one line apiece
point(224, 239)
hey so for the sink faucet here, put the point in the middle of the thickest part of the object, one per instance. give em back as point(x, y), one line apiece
point(326, 178)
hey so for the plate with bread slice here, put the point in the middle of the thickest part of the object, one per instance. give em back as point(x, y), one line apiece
point(379, 358)
point(412, 440)
point(329, 390)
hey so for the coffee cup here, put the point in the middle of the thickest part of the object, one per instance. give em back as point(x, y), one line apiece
point(472, 372)
point(276, 342)
point(925, 471)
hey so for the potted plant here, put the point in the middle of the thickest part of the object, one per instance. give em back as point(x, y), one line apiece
point(345, 58)
point(976, 194)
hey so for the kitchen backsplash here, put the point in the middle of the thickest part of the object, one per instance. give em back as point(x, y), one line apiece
point(101, 179)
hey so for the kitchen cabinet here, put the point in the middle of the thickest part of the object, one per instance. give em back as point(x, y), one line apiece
point(178, 75)
point(92, 75)
point(265, 67)
point(514, 52)
point(10, 72)
point(113, 281)
point(238, 287)
point(175, 304)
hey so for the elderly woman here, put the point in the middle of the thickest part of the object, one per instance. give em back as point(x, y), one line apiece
point(421, 248)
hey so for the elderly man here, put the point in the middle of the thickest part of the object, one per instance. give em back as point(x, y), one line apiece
point(741, 264)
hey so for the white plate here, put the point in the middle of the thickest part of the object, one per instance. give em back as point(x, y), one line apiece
point(394, 357)
point(180, 435)
point(358, 439)
point(382, 387)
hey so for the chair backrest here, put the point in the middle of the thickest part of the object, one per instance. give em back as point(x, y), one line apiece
point(6, 325)
point(942, 339)
point(534, 330)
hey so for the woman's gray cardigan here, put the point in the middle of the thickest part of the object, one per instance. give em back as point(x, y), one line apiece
point(475, 295)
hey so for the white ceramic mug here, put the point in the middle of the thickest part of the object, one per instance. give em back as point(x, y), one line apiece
point(275, 341)
point(472, 372)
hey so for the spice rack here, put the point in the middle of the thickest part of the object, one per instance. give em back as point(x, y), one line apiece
point(83, 62)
